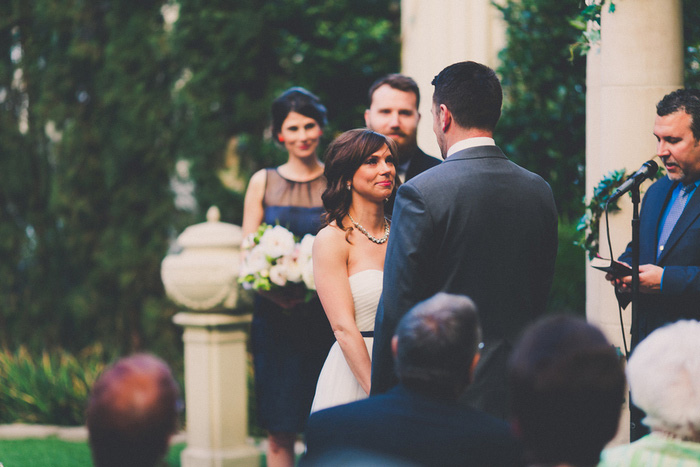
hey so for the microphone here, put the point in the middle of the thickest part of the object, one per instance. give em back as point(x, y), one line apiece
point(648, 170)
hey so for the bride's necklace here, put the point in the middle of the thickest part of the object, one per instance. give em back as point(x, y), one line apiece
point(369, 235)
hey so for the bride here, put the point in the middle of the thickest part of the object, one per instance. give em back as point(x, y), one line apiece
point(348, 258)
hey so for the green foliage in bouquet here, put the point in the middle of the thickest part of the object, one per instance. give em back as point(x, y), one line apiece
point(262, 281)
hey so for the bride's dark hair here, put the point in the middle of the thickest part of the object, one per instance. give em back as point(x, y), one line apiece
point(342, 159)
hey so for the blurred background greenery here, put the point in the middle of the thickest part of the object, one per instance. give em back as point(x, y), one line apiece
point(122, 121)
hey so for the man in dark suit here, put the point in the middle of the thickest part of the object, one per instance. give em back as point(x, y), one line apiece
point(669, 256)
point(393, 112)
point(476, 225)
point(419, 422)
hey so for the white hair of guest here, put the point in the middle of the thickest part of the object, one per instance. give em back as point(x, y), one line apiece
point(664, 377)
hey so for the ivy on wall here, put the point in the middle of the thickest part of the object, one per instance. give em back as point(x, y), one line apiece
point(589, 224)
point(589, 36)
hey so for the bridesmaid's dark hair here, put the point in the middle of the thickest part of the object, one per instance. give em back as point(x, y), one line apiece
point(299, 100)
point(342, 158)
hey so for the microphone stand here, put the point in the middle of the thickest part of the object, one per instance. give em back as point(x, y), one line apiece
point(635, 250)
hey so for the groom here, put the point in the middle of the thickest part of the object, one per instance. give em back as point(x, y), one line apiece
point(476, 225)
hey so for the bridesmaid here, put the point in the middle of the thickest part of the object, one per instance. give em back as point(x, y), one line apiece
point(288, 344)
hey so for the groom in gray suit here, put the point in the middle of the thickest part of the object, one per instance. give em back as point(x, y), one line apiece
point(476, 225)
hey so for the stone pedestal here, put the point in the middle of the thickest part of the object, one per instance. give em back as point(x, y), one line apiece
point(216, 390)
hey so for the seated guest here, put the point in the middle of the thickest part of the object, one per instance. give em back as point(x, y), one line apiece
point(419, 422)
point(664, 378)
point(567, 388)
point(132, 412)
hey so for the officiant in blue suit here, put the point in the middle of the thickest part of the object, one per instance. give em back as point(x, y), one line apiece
point(669, 236)
point(476, 225)
point(419, 422)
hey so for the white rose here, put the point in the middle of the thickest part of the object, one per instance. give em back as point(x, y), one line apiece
point(277, 242)
point(292, 268)
point(254, 262)
point(248, 242)
point(307, 274)
point(306, 246)
point(278, 275)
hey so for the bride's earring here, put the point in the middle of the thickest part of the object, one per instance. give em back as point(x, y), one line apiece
point(349, 187)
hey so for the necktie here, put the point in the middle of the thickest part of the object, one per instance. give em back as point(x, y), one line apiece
point(673, 214)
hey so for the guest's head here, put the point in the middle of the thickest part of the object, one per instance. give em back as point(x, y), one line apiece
point(132, 412)
point(567, 386)
point(395, 81)
point(393, 109)
point(472, 93)
point(298, 119)
point(436, 345)
point(664, 377)
point(344, 157)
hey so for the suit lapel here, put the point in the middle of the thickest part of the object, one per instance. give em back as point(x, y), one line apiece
point(689, 215)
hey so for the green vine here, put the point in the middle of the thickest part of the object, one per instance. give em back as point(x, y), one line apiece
point(589, 224)
point(589, 36)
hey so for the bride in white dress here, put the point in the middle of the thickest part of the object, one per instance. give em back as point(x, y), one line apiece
point(348, 259)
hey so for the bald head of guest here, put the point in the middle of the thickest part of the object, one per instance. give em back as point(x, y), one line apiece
point(436, 346)
point(132, 412)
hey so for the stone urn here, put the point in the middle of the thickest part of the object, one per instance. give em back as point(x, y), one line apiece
point(203, 279)
point(203, 275)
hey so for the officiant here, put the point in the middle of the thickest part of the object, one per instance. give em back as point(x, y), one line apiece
point(669, 237)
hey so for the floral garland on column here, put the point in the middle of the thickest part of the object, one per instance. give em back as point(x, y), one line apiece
point(589, 224)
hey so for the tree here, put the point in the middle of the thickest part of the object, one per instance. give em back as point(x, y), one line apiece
point(691, 36)
point(543, 123)
point(87, 144)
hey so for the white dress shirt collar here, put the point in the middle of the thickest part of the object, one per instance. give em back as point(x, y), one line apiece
point(470, 143)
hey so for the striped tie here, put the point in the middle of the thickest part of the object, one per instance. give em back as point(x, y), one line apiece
point(673, 215)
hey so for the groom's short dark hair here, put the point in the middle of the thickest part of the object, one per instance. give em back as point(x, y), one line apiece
point(437, 342)
point(472, 92)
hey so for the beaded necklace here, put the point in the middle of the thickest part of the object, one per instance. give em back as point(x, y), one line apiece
point(369, 235)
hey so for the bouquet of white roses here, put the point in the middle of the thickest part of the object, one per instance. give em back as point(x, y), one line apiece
point(278, 266)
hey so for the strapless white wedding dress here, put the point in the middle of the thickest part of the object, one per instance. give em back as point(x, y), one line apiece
point(337, 384)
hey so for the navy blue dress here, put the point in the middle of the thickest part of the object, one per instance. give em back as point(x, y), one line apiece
point(289, 346)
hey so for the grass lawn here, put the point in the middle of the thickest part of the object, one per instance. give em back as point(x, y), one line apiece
point(53, 452)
